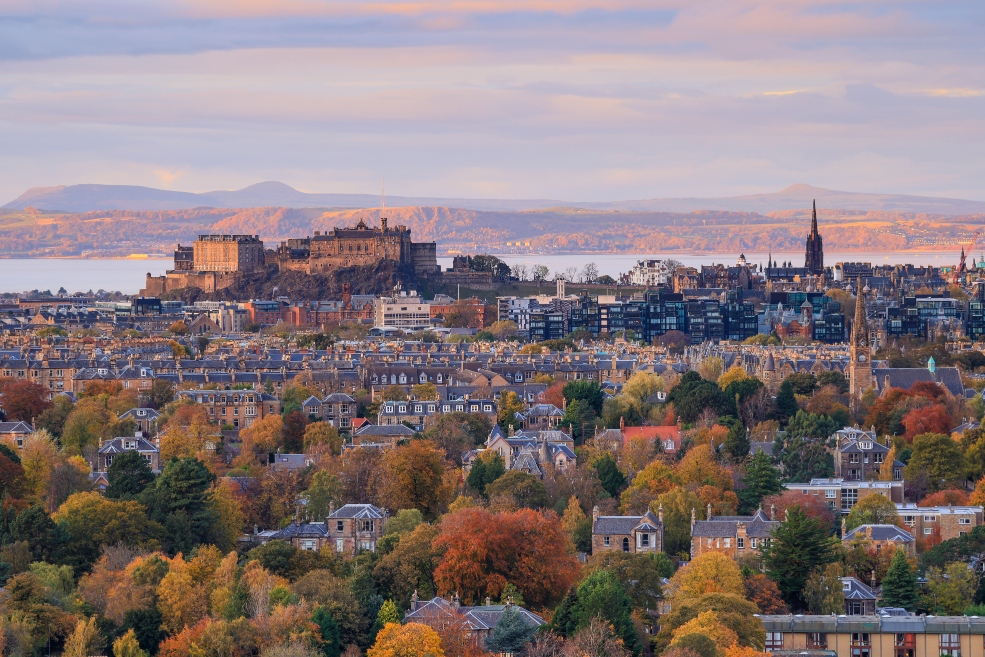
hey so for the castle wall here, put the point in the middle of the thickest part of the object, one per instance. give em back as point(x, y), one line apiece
point(208, 281)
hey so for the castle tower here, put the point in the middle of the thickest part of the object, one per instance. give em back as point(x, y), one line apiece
point(860, 367)
point(815, 252)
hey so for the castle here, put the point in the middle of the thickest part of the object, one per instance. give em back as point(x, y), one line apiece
point(215, 262)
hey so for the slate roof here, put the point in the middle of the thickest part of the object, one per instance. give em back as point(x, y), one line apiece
point(879, 533)
point(856, 590)
point(290, 461)
point(357, 511)
point(298, 530)
point(757, 525)
point(115, 446)
point(478, 618)
point(381, 430)
point(15, 427)
point(624, 525)
point(905, 377)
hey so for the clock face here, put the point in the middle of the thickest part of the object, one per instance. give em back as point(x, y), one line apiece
point(861, 343)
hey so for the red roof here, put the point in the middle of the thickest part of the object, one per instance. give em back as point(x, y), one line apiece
point(661, 434)
point(359, 422)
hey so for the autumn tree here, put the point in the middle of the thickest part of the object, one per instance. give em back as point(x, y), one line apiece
point(823, 592)
point(410, 565)
point(85, 640)
point(872, 510)
point(813, 506)
point(263, 437)
point(949, 590)
point(764, 593)
point(578, 526)
point(936, 458)
point(23, 400)
point(711, 572)
point(410, 640)
point(509, 405)
point(678, 504)
point(178, 328)
point(732, 611)
point(929, 419)
point(522, 489)
point(415, 478)
point(92, 520)
point(649, 483)
point(485, 551)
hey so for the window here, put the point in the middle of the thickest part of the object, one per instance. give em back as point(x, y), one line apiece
point(642, 540)
point(853, 458)
point(740, 543)
point(430, 408)
point(309, 544)
point(951, 645)
point(856, 608)
point(910, 520)
point(728, 542)
point(340, 545)
point(817, 640)
point(366, 525)
point(625, 545)
point(849, 496)
point(928, 530)
point(964, 521)
point(929, 518)
point(865, 445)
point(402, 409)
point(846, 586)
point(752, 543)
point(605, 541)
point(830, 494)
point(860, 638)
point(774, 640)
point(339, 525)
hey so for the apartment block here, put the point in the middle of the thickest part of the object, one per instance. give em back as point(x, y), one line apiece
point(843, 494)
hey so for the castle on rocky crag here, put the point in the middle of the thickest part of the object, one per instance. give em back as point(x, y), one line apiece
point(215, 262)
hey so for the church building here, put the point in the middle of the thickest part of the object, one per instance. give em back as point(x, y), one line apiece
point(815, 252)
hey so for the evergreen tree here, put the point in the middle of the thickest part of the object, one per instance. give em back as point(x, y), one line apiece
point(146, 624)
point(484, 471)
point(129, 474)
point(601, 594)
point(899, 586)
point(737, 441)
point(388, 613)
point(796, 547)
point(563, 621)
point(610, 477)
point(786, 403)
point(803, 453)
point(761, 480)
point(181, 502)
point(510, 633)
point(329, 632)
point(581, 418)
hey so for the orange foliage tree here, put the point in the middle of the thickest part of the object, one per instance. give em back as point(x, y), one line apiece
point(711, 572)
point(23, 400)
point(814, 506)
point(97, 388)
point(410, 640)
point(765, 594)
point(948, 497)
point(415, 478)
point(486, 551)
point(930, 419)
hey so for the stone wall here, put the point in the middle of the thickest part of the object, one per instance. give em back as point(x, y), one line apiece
point(155, 286)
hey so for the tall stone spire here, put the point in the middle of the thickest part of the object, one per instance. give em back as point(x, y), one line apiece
point(860, 368)
point(814, 261)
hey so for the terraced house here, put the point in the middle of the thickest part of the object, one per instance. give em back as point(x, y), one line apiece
point(735, 536)
point(240, 408)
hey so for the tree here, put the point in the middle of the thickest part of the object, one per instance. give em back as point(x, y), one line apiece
point(580, 417)
point(649, 483)
point(707, 624)
point(710, 368)
point(509, 405)
point(677, 505)
point(639, 574)
point(486, 469)
point(835, 378)
point(711, 572)
point(803, 453)
point(736, 443)
point(700, 466)
point(761, 480)
point(323, 492)
point(510, 633)
point(259, 439)
point(85, 640)
point(735, 373)
point(181, 503)
point(323, 433)
point(928, 419)
point(129, 474)
point(732, 611)
point(950, 590)
point(524, 489)
point(161, 393)
point(786, 402)
point(610, 477)
point(796, 547)
point(588, 392)
point(415, 479)
point(23, 400)
point(823, 592)
point(295, 424)
point(53, 418)
point(178, 328)
point(578, 526)
point(938, 458)
point(764, 593)
point(91, 520)
point(410, 640)
point(872, 510)
point(692, 395)
point(504, 329)
point(899, 586)
point(812, 505)
point(329, 632)
point(601, 595)
point(128, 646)
point(485, 551)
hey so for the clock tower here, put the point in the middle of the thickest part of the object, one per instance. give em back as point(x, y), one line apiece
point(860, 368)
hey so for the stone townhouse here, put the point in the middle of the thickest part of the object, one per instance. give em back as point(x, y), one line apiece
point(844, 495)
point(881, 635)
point(859, 456)
point(554, 447)
point(644, 534)
point(615, 371)
point(947, 522)
point(541, 416)
point(417, 412)
point(860, 599)
point(240, 408)
point(355, 527)
point(338, 409)
point(881, 537)
point(144, 418)
point(149, 450)
point(736, 536)
point(479, 622)
point(14, 434)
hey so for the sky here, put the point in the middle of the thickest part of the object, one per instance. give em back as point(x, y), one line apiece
point(581, 100)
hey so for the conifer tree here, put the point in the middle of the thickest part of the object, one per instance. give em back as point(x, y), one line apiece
point(611, 478)
point(786, 402)
point(795, 548)
point(329, 632)
point(899, 586)
point(762, 480)
point(510, 633)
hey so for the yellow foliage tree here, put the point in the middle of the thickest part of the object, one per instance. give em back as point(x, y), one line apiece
point(652, 481)
point(223, 584)
point(196, 440)
point(736, 650)
point(735, 373)
point(700, 466)
point(642, 385)
point(886, 469)
point(263, 437)
point(229, 521)
point(410, 640)
point(712, 572)
point(707, 624)
point(85, 640)
point(127, 646)
point(323, 433)
point(461, 502)
point(39, 457)
point(978, 496)
point(181, 600)
point(573, 518)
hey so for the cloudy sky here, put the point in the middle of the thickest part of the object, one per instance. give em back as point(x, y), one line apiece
point(566, 99)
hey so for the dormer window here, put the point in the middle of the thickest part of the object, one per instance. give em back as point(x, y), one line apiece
point(846, 586)
point(865, 445)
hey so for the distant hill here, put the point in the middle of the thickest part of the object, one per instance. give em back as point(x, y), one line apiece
point(88, 198)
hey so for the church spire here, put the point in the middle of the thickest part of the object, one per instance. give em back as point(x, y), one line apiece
point(860, 327)
point(814, 219)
